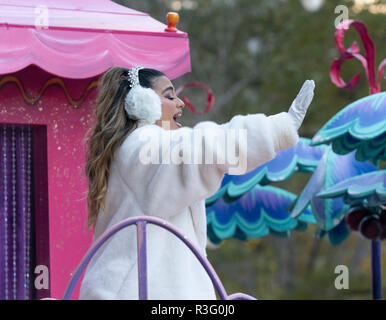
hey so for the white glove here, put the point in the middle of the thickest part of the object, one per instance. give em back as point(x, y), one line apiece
point(301, 103)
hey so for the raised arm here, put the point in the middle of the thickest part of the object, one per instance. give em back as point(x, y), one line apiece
point(165, 188)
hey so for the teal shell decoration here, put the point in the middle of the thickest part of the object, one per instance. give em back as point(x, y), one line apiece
point(259, 212)
point(301, 157)
point(360, 126)
point(369, 188)
point(332, 169)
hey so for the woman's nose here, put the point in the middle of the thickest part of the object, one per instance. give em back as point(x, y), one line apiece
point(181, 103)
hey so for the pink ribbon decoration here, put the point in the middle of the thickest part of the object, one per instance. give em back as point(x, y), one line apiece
point(368, 62)
point(210, 97)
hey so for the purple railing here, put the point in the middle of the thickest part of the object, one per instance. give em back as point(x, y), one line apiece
point(141, 222)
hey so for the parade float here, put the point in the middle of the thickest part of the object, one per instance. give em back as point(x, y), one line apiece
point(48, 86)
point(51, 56)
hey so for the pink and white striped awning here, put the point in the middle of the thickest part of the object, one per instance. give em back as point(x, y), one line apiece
point(86, 37)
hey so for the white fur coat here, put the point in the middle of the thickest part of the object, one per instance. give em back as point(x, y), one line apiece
point(176, 193)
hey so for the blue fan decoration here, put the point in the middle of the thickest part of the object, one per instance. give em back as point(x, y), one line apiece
point(367, 188)
point(366, 194)
point(331, 170)
point(259, 212)
point(301, 157)
point(360, 126)
point(337, 234)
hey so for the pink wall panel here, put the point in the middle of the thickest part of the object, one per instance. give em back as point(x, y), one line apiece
point(67, 184)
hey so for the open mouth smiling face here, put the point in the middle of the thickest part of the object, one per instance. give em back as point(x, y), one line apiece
point(171, 105)
point(176, 117)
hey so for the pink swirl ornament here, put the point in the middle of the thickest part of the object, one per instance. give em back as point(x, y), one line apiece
point(368, 62)
point(189, 105)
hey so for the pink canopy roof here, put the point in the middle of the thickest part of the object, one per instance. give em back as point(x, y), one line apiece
point(86, 37)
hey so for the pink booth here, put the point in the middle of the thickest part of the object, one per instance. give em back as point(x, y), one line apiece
point(51, 56)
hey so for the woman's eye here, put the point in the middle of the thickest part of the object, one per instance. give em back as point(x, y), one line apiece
point(171, 98)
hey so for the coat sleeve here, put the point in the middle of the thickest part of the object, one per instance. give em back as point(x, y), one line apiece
point(165, 188)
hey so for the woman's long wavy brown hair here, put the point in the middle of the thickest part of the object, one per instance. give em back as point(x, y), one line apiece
point(111, 128)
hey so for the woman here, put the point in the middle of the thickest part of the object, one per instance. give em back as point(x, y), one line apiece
point(140, 102)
